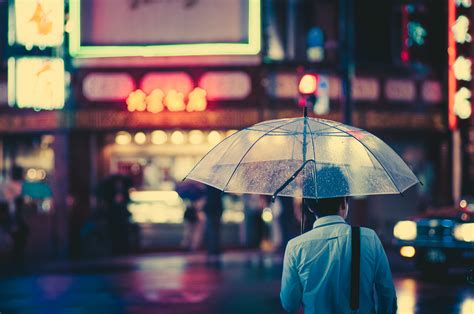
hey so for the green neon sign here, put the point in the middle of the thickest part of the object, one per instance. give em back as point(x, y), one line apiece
point(252, 47)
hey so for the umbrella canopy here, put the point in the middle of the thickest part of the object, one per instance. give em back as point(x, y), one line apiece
point(304, 157)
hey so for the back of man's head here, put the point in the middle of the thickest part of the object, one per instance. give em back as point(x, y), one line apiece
point(330, 182)
point(325, 206)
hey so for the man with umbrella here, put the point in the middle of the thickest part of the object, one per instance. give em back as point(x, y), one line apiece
point(316, 272)
point(322, 162)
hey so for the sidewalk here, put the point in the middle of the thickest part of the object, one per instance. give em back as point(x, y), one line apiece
point(183, 284)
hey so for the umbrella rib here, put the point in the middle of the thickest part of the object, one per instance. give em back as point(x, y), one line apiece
point(368, 150)
point(288, 181)
point(250, 148)
point(209, 153)
point(315, 164)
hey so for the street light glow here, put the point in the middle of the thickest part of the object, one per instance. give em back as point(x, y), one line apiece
point(407, 251)
point(405, 230)
point(308, 84)
point(159, 137)
point(123, 138)
point(140, 138)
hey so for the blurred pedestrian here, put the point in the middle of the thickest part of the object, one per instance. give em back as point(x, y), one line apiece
point(194, 221)
point(276, 233)
point(20, 232)
point(213, 210)
point(253, 220)
point(317, 268)
point(12, 188)
point(288, 221)
point(114, 195)
point(6, 241)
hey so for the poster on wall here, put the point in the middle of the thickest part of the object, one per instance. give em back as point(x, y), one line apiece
point(38, 23)
point(36, 83)
point(164, 27)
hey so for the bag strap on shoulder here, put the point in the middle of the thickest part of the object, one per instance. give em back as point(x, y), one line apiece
point(355, 267)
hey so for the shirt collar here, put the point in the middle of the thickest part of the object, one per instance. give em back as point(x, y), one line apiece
point(328, 219)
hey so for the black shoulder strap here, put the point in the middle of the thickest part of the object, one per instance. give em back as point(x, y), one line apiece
point(355, 267)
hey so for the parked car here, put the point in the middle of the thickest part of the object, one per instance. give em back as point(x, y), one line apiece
point(438, 239)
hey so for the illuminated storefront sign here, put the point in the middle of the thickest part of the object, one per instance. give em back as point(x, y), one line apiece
point(459, 62)
point(365, 89)
point(173, 100)
point(226, 85)
point(38, 23)
point(161, 28)
point(166, 81)
point(400, 90)
point(36, 83)
point(107, 86)
point(431, 92)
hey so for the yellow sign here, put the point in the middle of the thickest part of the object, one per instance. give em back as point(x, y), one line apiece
point(39, 22)
point(37, 83)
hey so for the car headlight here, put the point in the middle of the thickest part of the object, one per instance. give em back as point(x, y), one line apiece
point(464, 232)
point(405, 230)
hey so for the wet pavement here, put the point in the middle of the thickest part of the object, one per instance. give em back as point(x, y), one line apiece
point(177, 283)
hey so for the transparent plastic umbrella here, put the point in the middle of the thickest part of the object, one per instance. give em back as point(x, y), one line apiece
point(304, 157)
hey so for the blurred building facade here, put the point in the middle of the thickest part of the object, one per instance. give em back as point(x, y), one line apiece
point(85, 95)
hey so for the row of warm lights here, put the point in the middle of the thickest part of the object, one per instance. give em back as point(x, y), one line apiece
point(177, 137)
point(406, 230)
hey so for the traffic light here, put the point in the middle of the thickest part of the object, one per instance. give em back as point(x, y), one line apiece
point(308, 84)
point(308, 89)
point(314, 93)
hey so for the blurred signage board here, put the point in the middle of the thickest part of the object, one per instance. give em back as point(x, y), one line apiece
point(3, 93)
point(107, 86)
point(166, 81)
point(335, 87)
point(36, 83)
point(321, 106)
point(285, 85)
point(431, 92)
point(226, 85)
point(38, 23)
point(164, 28)
point(282, 85)
point(365, 89)
point(400, 90)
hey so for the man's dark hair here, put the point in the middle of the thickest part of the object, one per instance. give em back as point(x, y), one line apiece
point(330, 182)
point(324, 206)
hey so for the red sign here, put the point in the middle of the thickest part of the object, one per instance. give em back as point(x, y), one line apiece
point(158, 100)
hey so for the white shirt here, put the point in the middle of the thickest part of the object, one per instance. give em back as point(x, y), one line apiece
point(316, 271)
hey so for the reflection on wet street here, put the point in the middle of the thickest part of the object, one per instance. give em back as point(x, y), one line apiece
point(244, 283)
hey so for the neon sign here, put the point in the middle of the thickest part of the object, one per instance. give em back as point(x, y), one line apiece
point(38, 23)
point(203, 47)
point(459, 66)
point(173, 100)
point(36, 83)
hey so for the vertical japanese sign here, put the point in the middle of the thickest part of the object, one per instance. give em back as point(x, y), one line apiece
point(459, 62)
